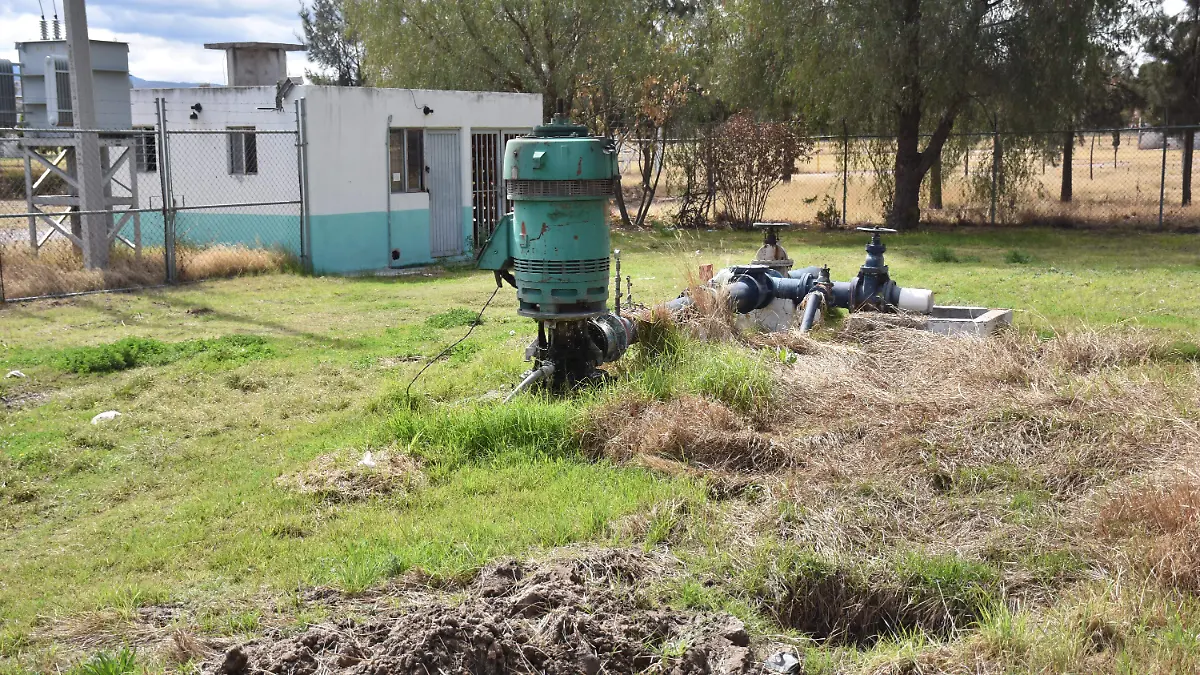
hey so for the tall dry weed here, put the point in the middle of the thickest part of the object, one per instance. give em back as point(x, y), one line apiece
point(1167, 515)
point(57, 267)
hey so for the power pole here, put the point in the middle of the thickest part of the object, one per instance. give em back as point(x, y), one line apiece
point(87, 149)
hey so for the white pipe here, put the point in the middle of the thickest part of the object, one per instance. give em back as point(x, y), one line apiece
point(918, 300)
point(541, 373)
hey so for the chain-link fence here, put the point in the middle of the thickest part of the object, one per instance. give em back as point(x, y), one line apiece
point(174, 205)
point(1099, 177)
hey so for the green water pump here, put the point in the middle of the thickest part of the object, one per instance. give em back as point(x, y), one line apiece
point(554, 249)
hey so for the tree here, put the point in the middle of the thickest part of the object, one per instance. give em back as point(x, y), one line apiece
point(630, 69)
point(1099, 95)
point(1172, 80)
point(916, 67)
point(533, 46)
point(332, 43)
point(646, 87)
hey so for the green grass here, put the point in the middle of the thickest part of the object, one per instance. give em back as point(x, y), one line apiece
point(176, 501)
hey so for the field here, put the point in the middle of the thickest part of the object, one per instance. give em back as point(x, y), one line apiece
point(1107, 191)
point(873, 498)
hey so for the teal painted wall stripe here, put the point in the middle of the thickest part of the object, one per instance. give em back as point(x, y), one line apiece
point(231, 229)
point(410, 236)
point(343, 243)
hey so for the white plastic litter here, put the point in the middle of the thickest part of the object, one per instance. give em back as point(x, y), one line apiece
point(367, 460)
point(106, 416)
point(782, 662)
point(15, 373)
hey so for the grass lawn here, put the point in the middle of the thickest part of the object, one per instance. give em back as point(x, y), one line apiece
point(225, 386)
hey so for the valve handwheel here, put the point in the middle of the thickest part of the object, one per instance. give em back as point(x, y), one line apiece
point(877, 230)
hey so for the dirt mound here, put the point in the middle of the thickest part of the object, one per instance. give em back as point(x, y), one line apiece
point(348, 477)
point(690, 429)
point(567, 616)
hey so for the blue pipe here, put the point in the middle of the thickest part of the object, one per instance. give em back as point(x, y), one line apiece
point(813, 303)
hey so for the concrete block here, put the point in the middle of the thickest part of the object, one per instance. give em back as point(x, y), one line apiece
point(976, 321)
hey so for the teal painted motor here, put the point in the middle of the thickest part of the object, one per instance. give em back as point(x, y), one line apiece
point(554, 248)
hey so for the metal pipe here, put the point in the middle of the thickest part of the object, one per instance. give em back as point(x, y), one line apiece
point(539, 374)
point(813, 305)
point(387, 159)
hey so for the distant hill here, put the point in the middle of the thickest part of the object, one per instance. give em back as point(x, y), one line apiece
point(139, 83)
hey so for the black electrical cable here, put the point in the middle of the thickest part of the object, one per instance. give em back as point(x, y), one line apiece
point(478, 320)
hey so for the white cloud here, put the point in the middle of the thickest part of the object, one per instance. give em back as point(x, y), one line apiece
point(172, 49)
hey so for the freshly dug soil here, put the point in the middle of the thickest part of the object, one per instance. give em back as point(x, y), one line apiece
point(566, 616)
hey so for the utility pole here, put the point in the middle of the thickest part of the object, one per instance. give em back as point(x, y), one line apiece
point(87, 148)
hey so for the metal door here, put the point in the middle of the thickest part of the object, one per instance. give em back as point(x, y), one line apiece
point(442, 156)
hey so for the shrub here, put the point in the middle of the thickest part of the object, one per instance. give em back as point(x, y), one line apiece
point(751, 159)
point(943, 254)
point(1015, 257)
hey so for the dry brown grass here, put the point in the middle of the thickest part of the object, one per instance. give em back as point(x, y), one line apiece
point(690, 430)
point(1166, 515)
point(1104, 194)
point(893, 438)
point(58, 267)
point(342, 477)
point(216, 262)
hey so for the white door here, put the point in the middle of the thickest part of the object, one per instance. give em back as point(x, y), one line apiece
point(442, 154)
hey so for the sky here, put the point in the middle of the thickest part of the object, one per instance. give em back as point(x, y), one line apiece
point(166, 37)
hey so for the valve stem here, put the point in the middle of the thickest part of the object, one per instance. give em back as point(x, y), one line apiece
point(617, 296)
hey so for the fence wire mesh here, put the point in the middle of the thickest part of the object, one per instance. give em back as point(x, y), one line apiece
point(1116, 177)
point(42, 228)
point(236, 201)
point(178, 206)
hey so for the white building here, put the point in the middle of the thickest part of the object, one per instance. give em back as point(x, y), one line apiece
point(393, 177)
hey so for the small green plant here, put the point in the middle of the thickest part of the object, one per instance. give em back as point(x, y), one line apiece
point(108, 663)
point(1015, 257)
point(459, 316)
point(452, 435)
point(943, 254)
point(463, 351)
point(829, 217)
point(124, 353)
point(740, 380)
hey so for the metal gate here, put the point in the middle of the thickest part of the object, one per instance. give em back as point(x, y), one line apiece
point(489, 202)
point(485, 184)
point(442, 152)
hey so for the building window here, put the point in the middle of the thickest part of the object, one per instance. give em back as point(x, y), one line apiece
point(406, 148)
point(243, 151)
point(146, 150)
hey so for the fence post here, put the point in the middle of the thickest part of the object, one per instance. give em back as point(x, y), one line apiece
point(845, 168)
point(164, 182)
point(301, 172)
point(1162, 180)
point(995, 167)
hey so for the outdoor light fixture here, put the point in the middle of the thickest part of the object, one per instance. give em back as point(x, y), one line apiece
point(196, 110)
point(427, 110)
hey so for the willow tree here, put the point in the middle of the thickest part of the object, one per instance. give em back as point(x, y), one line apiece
point(1172, 79)
point(913, 68)
point(547, 47)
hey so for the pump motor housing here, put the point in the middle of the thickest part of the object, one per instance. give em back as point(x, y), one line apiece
point(556, 241)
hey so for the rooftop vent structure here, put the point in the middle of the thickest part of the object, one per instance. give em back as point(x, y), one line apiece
point(255, 64)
